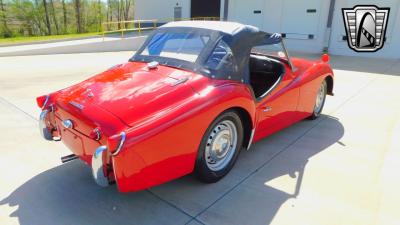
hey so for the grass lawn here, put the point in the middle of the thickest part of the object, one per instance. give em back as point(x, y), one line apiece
point(17, 40)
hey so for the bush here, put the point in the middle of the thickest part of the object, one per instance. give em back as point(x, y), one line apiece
point(7, 34)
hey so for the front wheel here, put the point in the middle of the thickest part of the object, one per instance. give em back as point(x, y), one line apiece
point(219, 147)
point(319, 101)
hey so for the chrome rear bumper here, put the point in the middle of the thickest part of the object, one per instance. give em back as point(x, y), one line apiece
point(43, 129)
point(98, 169)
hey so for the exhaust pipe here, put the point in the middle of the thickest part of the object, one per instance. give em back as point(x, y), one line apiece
point(68, 158)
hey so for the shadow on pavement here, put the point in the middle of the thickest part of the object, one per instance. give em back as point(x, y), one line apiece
point(66, 194)
point(256, 200)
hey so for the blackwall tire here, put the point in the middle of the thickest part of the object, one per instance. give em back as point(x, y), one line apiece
point(219, 148)
point(319, 101)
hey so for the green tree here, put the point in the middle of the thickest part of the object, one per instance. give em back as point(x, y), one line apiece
point(48, 25)
point(78, 16)
point(5, 31)
point(54, 16)
point(46, 17)
point(64, 7)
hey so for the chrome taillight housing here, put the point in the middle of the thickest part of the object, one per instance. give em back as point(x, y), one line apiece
point(116, 142)
point(95, 134)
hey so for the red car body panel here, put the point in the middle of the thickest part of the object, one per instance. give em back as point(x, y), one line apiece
point(167, 147)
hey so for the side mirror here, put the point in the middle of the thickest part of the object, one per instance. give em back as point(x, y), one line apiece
point(325, 58)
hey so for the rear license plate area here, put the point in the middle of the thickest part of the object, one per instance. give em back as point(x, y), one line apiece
point(72, 141)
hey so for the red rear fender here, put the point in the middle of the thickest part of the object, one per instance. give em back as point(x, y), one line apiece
point(165, 148)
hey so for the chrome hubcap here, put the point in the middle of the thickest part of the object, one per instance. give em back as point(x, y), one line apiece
point(221, 145)
point(320, 99)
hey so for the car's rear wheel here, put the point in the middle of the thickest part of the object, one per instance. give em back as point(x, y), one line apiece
point(319, 101)
point(219, 147)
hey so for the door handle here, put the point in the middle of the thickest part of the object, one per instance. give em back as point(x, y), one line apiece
point(267, 109)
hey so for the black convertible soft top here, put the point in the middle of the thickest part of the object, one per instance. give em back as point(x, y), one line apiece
point(240, 38)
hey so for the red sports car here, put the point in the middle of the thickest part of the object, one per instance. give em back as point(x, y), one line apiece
point(189, 100)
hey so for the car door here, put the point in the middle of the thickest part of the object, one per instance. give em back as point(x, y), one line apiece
point(277, 109)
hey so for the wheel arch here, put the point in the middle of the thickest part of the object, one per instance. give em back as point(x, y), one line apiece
point(247, 124)
point(329, 82)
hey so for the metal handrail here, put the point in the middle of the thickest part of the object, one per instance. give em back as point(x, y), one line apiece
point(123, 26)
point(137, 25)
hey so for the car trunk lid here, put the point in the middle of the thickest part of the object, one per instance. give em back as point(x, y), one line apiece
point(132, 92)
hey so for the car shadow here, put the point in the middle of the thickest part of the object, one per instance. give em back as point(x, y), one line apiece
point(66, 194)
point(260, 198)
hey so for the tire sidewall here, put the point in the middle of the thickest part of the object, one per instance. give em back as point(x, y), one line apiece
point(201, 168)
point(317, 114)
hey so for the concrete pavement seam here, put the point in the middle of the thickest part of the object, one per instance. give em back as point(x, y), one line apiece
point(172, 205)
point(194, 219)
point(17, 108)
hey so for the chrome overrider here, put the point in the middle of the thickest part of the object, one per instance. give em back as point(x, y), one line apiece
point(44, 131)
point(98, 168)
point(46, 134)
point(98, 171)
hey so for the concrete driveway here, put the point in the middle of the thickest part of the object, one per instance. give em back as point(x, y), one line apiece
point(340, 169)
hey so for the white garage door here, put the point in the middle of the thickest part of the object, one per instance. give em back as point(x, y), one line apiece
point(247, 12)
point(299, 20)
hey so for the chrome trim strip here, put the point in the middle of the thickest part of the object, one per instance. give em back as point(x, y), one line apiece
point(121, 143)
point(46, 101)
point(43, 127)
point(251, 138)
point(76, 105)
point(97, 167)
point(180, 81)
